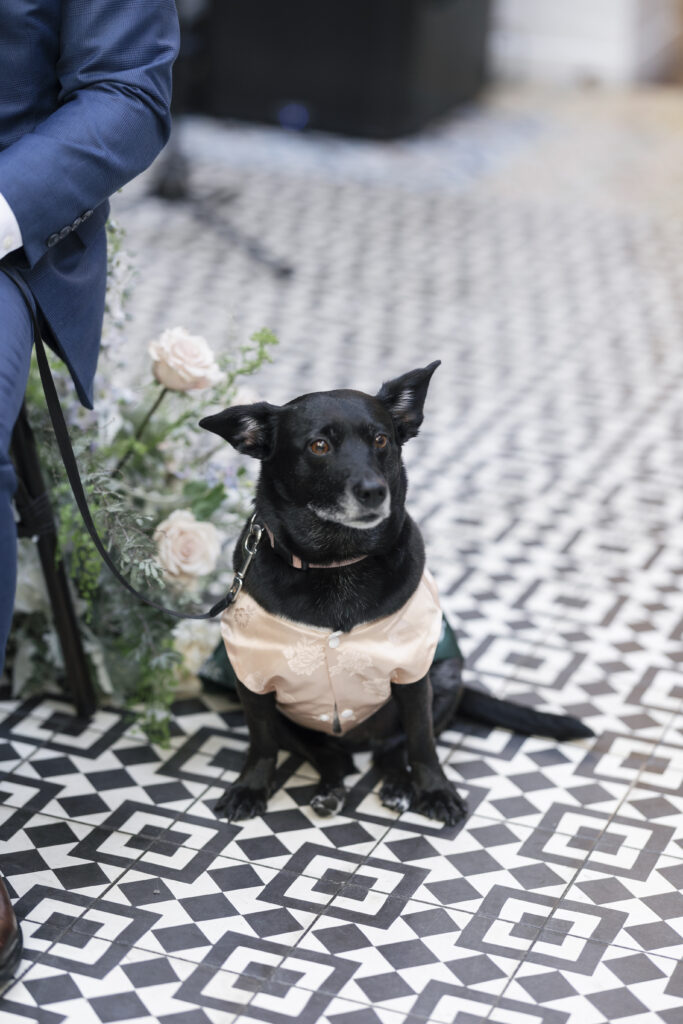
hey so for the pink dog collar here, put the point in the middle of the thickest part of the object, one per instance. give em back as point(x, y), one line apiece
point(298, 563)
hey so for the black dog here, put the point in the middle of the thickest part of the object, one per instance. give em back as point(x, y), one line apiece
point(343, 552)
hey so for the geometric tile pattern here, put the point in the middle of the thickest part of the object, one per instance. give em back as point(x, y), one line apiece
point(548, 481)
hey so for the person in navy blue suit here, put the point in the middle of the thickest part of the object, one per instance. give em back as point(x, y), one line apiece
point(85, 96)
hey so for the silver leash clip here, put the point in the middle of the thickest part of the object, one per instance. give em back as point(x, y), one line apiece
point(250, 546)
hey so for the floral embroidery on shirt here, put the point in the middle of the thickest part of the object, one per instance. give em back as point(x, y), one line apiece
point(351, 661)
point(378, 688)
point(242, 616)
point(305, 657)
point(256, 682)
point(402, 632)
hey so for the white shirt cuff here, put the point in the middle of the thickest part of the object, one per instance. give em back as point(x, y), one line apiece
point(10, 232)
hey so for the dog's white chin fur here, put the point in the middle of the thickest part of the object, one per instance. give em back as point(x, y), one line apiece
point(351, 514)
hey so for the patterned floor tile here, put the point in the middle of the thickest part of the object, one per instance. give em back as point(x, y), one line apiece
point(14, 753)
point(635, 987)
point(91, 789)
point(520, 779)
point(639, 896)
point(462, 872)
point(52, 723)
point(398, 952)
point(137, 987)
point(192, 916)
point(42, 851)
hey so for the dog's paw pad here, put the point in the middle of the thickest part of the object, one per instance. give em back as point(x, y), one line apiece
point(326, 803)
point(399, 802)
point(396, 794)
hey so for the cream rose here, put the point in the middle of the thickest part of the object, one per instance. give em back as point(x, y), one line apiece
point(186, 547)
point(183, 361)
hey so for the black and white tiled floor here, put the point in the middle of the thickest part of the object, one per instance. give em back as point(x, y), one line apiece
point(548, 481)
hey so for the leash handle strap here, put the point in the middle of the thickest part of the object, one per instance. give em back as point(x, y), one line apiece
point(71, 466)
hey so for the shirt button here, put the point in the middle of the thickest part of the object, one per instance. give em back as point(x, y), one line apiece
point(334, 639)
point(346, 713)
point(8, 242)
point(324, 718)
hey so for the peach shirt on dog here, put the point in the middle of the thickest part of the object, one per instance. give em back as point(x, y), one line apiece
point(316, 673)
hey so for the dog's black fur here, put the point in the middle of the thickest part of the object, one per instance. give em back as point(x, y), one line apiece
point(332, 487)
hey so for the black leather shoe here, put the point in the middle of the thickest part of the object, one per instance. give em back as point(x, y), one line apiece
point(10, 939)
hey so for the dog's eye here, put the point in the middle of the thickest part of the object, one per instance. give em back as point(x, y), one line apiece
point(381, 441)
point(319, 446)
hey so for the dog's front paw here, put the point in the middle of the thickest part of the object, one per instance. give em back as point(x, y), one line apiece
point(441, 804)
point(241, 802)
point(396, 792)
point(328, 800)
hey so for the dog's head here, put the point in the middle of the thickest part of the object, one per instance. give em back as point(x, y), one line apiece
point(332, 457)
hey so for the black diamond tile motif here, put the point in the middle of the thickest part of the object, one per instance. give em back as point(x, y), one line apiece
point(342, 938)
point(82, 806)
point(268, 923)
point(412, 953)
point(181, 937)
point(474, 969)
point(382, 987)
point(150, 972)
point(56, 989)
point(656, 936)
point(50, 766)
point(81, 876)
point(617, 1003)
point(548, 986)
point(119, 1006)
point(207, 908)
point(633, 969)
point(152, 890)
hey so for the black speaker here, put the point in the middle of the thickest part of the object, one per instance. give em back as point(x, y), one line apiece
point(377, 68)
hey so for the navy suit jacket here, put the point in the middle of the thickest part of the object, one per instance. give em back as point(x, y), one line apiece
point(85, 92)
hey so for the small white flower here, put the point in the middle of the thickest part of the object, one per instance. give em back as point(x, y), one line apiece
point(195, 641)
point(186, 547)
point(183, 361)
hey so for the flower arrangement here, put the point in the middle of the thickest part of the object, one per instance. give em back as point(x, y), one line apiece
point(167, 501)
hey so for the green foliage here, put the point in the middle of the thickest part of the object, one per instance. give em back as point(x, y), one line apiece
point(203, 499)
point(156, 461)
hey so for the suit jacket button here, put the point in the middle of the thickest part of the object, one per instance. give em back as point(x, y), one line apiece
point(52, 240)
point(77, 223)
point(88, 213)
point(64, 232)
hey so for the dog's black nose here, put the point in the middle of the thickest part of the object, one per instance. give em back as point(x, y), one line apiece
point(370, 491)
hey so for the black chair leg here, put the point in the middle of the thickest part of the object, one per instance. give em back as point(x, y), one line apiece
point(37, 519)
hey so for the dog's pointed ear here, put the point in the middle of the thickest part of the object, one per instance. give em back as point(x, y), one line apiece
point(404, 397)
point(251, 429)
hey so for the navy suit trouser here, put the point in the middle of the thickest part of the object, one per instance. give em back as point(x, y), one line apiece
point(16, 340)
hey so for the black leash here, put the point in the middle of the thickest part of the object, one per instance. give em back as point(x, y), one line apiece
point(254, 533)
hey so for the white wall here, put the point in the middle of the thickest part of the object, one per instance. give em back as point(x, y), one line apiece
point(570, 41)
